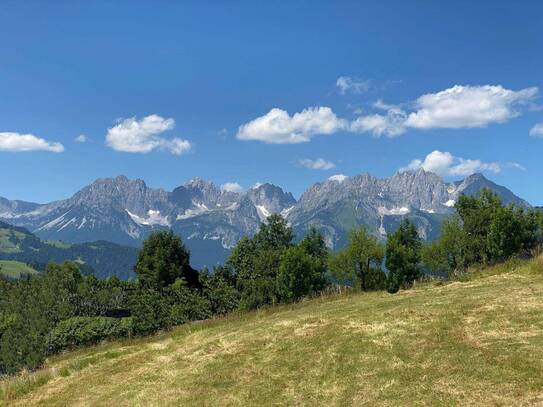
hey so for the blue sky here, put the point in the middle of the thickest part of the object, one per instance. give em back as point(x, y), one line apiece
point(167, 91)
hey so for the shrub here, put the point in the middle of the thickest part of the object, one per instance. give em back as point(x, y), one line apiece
point(186, 304)
point(150, 311)
point(78, 331)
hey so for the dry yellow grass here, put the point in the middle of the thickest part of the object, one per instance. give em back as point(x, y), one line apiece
point(477, 342)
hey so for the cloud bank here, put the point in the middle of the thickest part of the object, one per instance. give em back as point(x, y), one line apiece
point(453, 108)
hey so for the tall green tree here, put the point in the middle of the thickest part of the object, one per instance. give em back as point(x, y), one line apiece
point(162, 260)
point(477, 213)
point(360, 260)
point(449, 253)
point(403, 256)
point(256, 261)
point(296, 274)
point(313, 244)
point(275, 233)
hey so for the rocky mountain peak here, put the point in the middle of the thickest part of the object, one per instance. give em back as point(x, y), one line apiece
point(271, 197)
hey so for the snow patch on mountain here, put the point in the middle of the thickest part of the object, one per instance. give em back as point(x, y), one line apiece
point(263, 213)
point(394, 211)
point(54, 222)
point(199, 209)
point(286, 211)
point(153, 218)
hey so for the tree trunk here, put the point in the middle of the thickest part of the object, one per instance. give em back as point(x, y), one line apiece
point(363, 276)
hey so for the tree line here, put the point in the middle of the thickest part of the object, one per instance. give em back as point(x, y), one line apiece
point(62, 307)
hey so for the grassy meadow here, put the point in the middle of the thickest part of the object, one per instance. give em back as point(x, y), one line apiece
point(472, 342)
point(15, 269)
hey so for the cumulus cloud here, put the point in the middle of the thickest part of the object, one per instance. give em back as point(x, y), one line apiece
point(81, 139)
point(537, 130)
point(143, 136)
point(446, 164)
point(318, 164)
point(278, 127)
point(231, 187)
point(468, 107)
point(347, 84)
point(16, 142)
point(453, 108)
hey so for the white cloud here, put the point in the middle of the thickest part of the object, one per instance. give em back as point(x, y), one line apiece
point(537, 130)
point(391, 125)
point(16, 142)
point(516, 165)
point(231, 187)
point(81, 139)
point(318, 164)
point(338, 178)
point(142, 136)
point(278, 127)
point(468, 107)
point(347, 84)
point(453, 108)
point(445, 164)
point(257, 185)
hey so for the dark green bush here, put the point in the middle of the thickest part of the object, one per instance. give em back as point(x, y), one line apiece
point(79, 331)
point(150, 311)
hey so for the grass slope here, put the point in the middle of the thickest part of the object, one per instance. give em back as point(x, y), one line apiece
point(15, 269)
point(477, 342)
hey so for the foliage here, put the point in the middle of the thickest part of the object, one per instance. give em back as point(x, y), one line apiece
point(477, 213)
point(270, 268)
point(274, 233)
point(186, 304)
point(403, 256)
point(360, 260)
point(296, 274)
point(219, 288)
point(255, 262)
point(150, 311)
point(484, 232)
point(162, 260)
point(79, 331)
point(449, 253)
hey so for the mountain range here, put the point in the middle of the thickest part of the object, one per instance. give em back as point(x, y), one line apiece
point(212, 220)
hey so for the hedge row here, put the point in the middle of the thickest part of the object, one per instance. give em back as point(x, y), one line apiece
point(79, 331)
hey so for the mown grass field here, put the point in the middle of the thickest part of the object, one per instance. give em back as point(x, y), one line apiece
point(15, 269)
point(473, 342)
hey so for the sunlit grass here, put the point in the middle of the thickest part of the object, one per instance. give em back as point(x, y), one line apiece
point(476, 341)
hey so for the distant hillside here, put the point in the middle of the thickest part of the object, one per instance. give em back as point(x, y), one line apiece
point(478, 342)
point(15, 269)
point(102, 258)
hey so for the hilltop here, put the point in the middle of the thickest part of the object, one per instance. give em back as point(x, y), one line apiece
point(477, 341)
point(22, 252)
